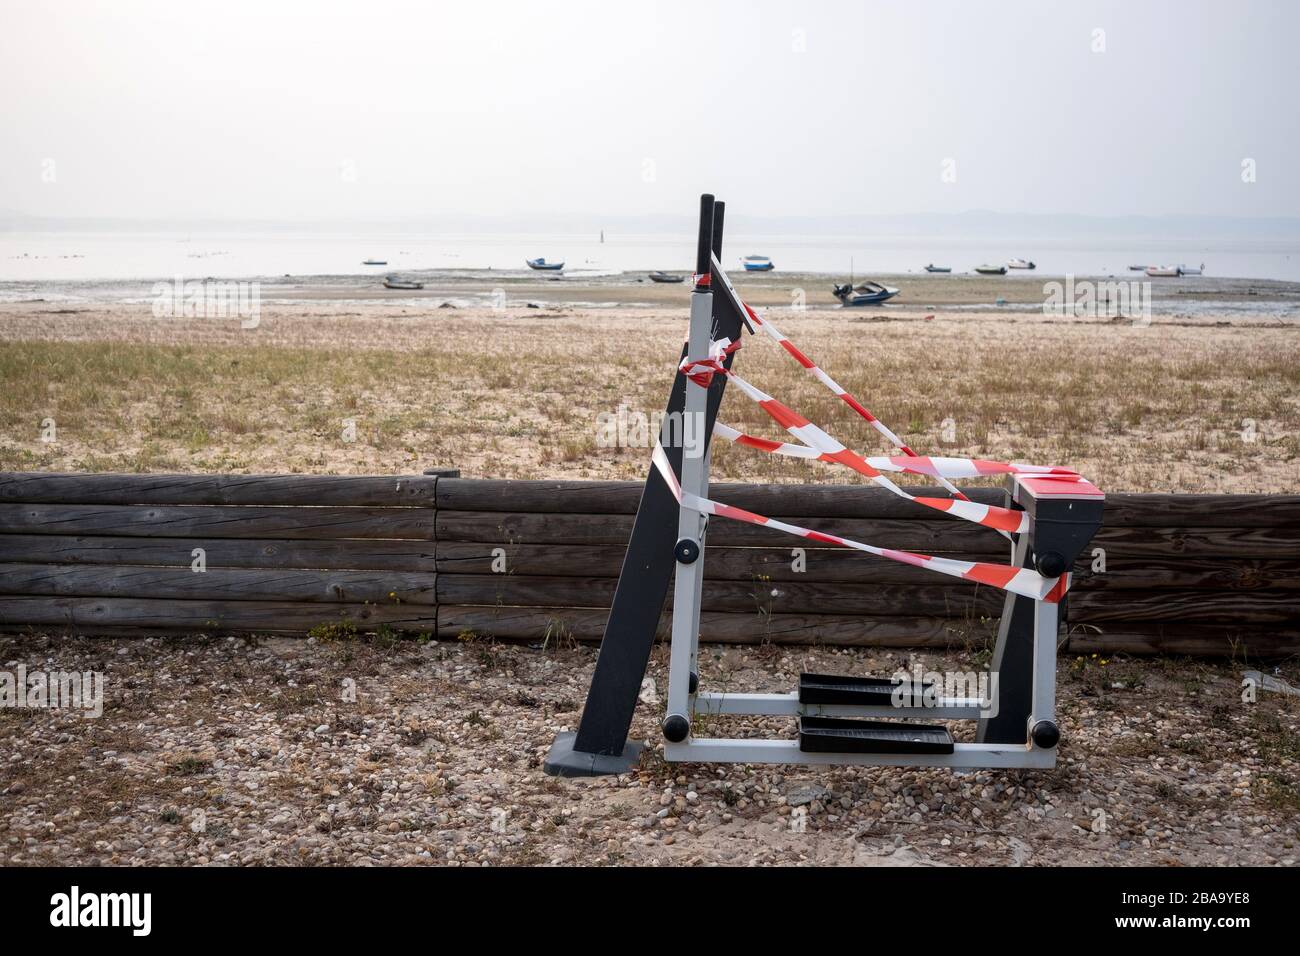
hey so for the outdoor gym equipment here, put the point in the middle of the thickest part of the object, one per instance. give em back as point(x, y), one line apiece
point(1049, 517)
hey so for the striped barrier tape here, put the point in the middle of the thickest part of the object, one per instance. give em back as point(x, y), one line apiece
point(822, 446)
point(1023, 581)
point(816, 444)
point(816, 372)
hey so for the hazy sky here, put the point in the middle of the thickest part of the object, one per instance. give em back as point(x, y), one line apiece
point(271, 110)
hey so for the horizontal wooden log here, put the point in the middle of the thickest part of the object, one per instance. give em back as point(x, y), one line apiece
point(622, 498)
point(585, 624)
point(930, 537)
point(1248, 642)
point(148, 615)
point(217, 521)
point(525, 528)
point(1202, 511)
point(805, 597)
point(1252, 607)
point(1272, 543)
point(219, 584)
point(361, 554)
point(1210, 574)
point(857, 501)
point(117, 489)
point(823, 565)
point(828, 565)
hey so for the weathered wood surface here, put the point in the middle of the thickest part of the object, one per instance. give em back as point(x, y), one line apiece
point(856, 501)
point(829, 565)
point(1177, 637)
point(1197, 574)
point(525, 528)
point(929, 537)
point(312, 490)
point(1253, 607)
point(824, 565)
point(242, 584)
point(362, 554)
point(217, 521)
point(587, 624)
point(1202, 511)
point(806, 597)
point(881, 600)
point(75, 613)
point(622, 498)
point(1212, 575)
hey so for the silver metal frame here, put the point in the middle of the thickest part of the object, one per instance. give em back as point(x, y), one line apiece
point(685, 647)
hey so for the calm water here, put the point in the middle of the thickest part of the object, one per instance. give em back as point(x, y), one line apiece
point(36, 257)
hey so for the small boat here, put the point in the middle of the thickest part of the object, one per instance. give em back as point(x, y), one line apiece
point(1137, 268)
point(758, 264)
point(991, 270)
point(865, 293)
point(1021, 264)
point(1162, 272)
point(393, 282)
point(666, 277)
point(933, 268)
point(374, 262)
point(543, 266)
point(1191, 270)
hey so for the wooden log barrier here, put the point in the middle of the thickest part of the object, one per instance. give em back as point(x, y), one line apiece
point(537, 561)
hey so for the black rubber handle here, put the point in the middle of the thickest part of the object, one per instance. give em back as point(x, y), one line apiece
point(705, 246)
point(719, 214)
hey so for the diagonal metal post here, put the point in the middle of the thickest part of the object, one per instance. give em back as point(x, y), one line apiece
point(600, 745)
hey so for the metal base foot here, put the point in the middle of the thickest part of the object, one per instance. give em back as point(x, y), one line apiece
point(564, 761)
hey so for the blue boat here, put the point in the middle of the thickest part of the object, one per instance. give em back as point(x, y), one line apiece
point(543, 266)
point(758, 264)
point(867, 293)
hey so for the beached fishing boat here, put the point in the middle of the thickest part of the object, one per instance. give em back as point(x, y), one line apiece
point(1021, 264)
point(395, 282)
point(1137, 268)
point(542, 265)
point(758, 264)
point(987, 270)
point(1191, 270)
point(374, 262)
point(1162, 272)
point(865, 293)
point(666, 277)
point(933, 268)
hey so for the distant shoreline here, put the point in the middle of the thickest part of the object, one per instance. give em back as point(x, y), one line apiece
point(471, 288)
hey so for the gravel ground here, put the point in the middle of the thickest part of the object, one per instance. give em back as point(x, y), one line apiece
point(234, 751)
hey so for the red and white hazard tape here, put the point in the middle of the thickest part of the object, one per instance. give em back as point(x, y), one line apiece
point(1022, 581)
point(824, 447)
point(816, 372)
point(817, 445)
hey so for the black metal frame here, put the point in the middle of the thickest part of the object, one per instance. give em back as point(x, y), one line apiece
point(600, 745)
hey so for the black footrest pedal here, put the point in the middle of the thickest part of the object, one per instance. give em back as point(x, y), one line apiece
point(860, 691)
point(831, 735)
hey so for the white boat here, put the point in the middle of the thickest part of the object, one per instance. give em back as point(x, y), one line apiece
point(1163, 272)
point(1021, 264)
point(1191, 270)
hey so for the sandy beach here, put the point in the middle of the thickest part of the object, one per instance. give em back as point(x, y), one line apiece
point(1199, 398)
